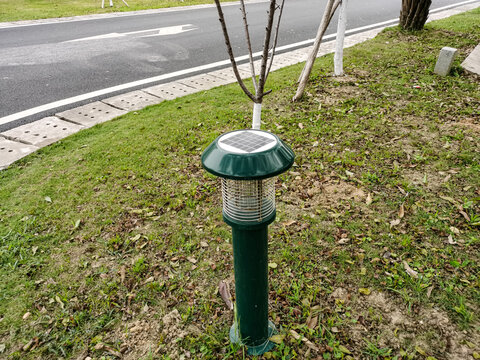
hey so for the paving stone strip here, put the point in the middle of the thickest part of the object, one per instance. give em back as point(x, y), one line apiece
point(134, 100)
point(91, 114)
point(42, 132)
point(11, 151)
point(19, 142)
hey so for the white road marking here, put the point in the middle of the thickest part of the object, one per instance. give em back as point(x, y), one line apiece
point(169, 30)
point(25, 113)
point(22, 23)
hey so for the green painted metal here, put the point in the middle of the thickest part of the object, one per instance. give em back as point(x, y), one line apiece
point(260, 165)
point(250, 255)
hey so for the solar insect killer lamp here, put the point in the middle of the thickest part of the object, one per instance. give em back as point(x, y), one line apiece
point(248, 161)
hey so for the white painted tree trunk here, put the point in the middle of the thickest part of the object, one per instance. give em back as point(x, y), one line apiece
point(342, 24)
point(257, 115)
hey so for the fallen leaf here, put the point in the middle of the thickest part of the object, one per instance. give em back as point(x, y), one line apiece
point(149, 280)
point(34, 250)
point(26, 315)
point(349, 173)
point(429, 291)
point(122, 274)
point(312, 322)
point(289, 222)
point(335, 330)
point(272, 265)
point(307, 342)
point(224, 291)
point(315, 144)
point(136, 237)
point(464, 214)
point(449, 199)
point(300, 125)
point(27, 346)
point(77, 224)
point(363, 271)
point(203, 244)
point(369, 199)
point(454, 230)
point(192, 259)
point(277, 339)
point(447, 178)
point(451, 241)
point(476, 355)
point(394, 222)
point(57, 299)
point(48, 199)
point(401, 212)
point(364, 291)
point(2, 348)
point(410, 271)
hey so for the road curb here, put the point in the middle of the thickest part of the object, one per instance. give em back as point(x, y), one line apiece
point(19, 142)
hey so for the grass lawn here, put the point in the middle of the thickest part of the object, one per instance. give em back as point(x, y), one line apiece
point(12, 10)
point(112, 243)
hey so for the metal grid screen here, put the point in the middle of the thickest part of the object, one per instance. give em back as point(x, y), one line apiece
point(248, 200)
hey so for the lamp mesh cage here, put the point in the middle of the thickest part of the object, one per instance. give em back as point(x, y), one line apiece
point(248, 200)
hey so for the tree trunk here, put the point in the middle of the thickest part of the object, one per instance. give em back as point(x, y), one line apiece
point(414, 14)
point(339, 42)
point(307, 69)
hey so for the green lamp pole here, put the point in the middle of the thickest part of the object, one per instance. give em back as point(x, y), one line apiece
point(247, 161)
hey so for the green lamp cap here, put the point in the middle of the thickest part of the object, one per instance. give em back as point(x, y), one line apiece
point(247, 155)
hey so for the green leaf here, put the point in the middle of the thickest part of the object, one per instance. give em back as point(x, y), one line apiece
point(77, 224)
point(420, 350)
point(277, 339)
point(364, 291)
point(344, 350)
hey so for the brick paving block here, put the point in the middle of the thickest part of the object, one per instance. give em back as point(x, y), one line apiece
point(170, 91)
point(134, 100)
point(42, 132)
point(203, 82)
point(11, 151)
point(91, 114)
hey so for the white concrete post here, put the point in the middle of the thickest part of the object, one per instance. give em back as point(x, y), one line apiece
point(342, 24)
point(257, 112)
point(445, 61)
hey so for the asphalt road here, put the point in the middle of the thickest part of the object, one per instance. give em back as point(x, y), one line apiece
point(41, 64)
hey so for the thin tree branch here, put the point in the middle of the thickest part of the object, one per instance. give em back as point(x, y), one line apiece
point(249, 45)
point(266, 47)
point(275, 39)
point(230, 53)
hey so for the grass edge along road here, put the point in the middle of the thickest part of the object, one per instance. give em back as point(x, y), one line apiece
point(112, 242)
point(44, 9)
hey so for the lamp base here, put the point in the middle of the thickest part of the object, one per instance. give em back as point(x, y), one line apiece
point(254, 350)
